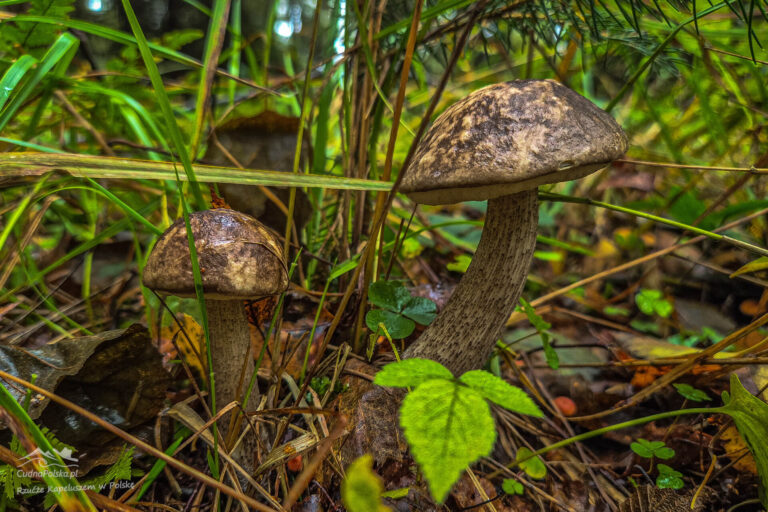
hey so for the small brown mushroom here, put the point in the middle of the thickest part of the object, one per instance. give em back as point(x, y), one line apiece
point(239, 260)
point(500, 143)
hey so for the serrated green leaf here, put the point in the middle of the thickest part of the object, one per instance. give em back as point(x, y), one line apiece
point(421, 310)
point(411, 372)
point(534, 467)
point(361, 488)
point(512, 486)
point(498, 391)
point(397, 325)
point(448, 426)
point(391, 295)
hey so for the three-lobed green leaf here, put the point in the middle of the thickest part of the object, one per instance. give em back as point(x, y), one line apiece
point(447, 422)
point(420, 309)
point(669, 478)
point(391, 295)
point(512, 486)
point(648, 449)
point(448, 426)
point(396, 324)
point(399, 310)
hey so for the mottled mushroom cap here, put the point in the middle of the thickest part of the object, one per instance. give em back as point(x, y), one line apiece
point(510, 137)
point(238, 257)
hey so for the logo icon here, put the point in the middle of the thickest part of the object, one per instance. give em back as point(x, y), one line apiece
point(65, 454)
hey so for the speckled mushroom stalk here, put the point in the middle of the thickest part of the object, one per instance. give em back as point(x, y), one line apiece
point(464, 333)
point(499, 144)
point(230, 337)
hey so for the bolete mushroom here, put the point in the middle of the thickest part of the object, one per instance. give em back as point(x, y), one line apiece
point(500, 143)
point(239, 260)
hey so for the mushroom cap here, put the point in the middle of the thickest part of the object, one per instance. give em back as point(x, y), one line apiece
point(510, 137)
point(239, 258)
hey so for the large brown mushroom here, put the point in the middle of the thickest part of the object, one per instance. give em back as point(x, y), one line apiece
point(239, 260)
point(500, 143)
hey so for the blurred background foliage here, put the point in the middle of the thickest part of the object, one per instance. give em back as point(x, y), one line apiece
point(686, 80)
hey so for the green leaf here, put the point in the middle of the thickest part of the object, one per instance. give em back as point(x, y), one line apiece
point(421, 310)
point(537, 322)
point(691, 393)
point(614, 310)
point(663, 308)
point(512, 486)
point(397, 325)
point(541, 327)
point(498, 391)
point(165, 105)
point(396, 494)
point(648, 449)
point(553, 360)
point(460, 263)
point(750, 414)
point(669, 478)
point(665, 453)
point(760, 263)
point(548, 255)
point(411, 372)
point(391, 295)
point(65, 43)
point(361, 488)
point(653, 301)
point(534, 467)
point(448, 426)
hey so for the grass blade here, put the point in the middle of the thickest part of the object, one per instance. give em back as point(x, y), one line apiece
point(90, 166)
point(56, 52)
point(123, 38)
point(213, 44)
point(13, 76)
point(165, 105)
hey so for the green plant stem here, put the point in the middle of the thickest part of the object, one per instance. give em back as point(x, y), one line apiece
point(549, 196)
point(303, 373)
point(611, 428)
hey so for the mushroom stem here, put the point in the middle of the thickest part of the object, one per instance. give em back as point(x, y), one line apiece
point(464, 334)
point(230, 343)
